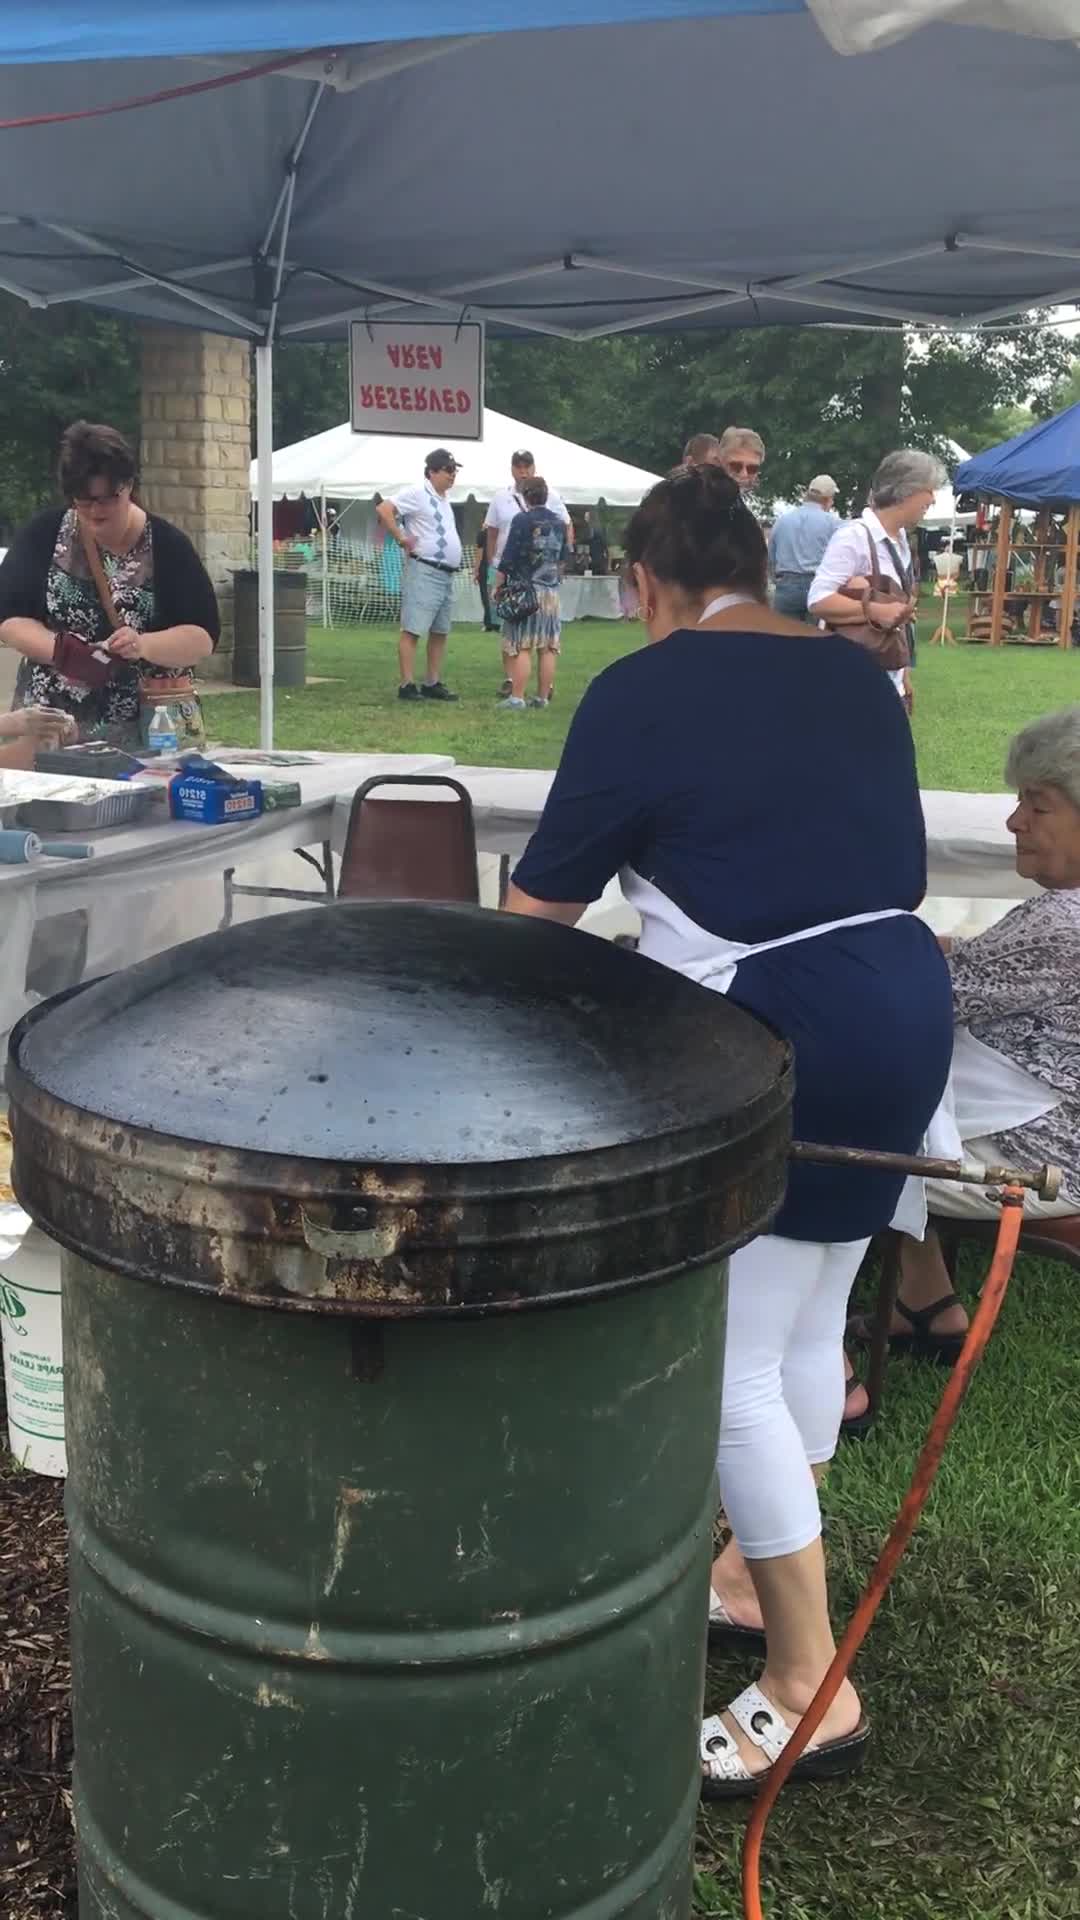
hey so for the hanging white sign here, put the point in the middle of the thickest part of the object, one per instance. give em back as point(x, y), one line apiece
point(418, 377)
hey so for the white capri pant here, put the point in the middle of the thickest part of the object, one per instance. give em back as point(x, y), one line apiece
point(783, 1387)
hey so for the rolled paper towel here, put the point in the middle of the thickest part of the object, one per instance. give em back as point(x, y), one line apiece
point(17, 847)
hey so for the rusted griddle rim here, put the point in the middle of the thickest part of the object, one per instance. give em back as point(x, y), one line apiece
point(234, 1170)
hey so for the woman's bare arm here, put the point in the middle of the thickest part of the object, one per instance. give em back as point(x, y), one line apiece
point(174, 647)
point(566, 912)
point(30, 638)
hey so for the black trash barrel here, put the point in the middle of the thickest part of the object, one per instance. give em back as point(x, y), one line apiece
point(290, 629)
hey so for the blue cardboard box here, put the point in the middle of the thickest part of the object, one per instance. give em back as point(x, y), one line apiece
point(211, 801)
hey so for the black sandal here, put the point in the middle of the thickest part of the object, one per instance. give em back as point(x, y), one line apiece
point(922, 1343)
point(723, 1630)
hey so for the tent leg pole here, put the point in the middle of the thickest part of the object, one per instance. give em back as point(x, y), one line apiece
point(325, 583)
point(264, 454)
point(1004, 546)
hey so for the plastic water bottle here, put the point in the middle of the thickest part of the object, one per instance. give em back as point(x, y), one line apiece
point(162, 735)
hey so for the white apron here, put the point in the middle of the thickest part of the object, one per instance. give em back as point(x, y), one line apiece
point(670, 936)
point(985, 1094)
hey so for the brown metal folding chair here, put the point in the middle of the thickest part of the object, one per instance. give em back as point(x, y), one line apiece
point(403, 849)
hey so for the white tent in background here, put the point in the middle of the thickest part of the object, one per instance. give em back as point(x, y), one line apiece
point(943, 514)
point(342, 465)
point(356, 577)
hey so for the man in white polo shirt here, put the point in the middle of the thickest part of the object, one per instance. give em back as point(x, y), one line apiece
point(504, 509)
point(422, 522)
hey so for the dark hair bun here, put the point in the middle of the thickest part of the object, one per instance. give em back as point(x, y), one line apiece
point(695, 531)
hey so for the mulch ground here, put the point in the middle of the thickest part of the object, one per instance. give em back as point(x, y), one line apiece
point(37, 1858)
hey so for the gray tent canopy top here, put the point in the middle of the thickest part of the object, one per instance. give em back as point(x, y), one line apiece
point(560, 168)
point(722, 166)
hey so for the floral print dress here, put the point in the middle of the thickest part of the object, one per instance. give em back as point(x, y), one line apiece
point(118, 712)
point(1016, 987)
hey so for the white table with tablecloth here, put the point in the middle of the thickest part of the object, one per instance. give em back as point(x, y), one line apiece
point(152, 885)
point(972, 876)
point(582, 596)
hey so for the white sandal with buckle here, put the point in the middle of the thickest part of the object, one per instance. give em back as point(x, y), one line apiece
point(724, 1773)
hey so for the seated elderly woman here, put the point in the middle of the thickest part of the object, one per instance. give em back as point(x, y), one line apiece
point(1016, 1066)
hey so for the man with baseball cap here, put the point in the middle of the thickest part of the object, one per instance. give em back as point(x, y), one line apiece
point(422, 522)
point(503, 511)
point(797, 542)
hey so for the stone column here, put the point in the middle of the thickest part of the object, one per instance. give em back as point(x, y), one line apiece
point(196, 450)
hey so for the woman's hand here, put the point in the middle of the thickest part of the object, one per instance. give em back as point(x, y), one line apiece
point(890, 613)
point(45, 726)
point(125, 644)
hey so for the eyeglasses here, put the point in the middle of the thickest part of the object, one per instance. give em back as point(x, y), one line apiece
point(751, 468)
point(84, 501)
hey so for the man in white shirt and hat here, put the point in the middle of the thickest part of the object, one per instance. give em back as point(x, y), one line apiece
point(422, 522)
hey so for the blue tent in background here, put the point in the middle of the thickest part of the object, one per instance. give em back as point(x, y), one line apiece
point(1039, 468)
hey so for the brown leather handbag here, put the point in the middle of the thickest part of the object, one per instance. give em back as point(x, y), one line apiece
point(888, 643)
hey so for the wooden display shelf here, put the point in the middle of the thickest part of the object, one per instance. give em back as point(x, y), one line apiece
point(989, 617)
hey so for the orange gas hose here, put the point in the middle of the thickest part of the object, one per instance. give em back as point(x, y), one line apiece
point(877, 1586)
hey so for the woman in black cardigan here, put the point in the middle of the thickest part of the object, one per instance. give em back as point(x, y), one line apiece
point(108, 678)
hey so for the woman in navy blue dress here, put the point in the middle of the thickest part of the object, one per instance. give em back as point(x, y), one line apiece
point(752, 782)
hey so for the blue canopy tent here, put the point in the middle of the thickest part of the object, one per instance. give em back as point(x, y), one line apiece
point(272, 171)
point(1039, 469)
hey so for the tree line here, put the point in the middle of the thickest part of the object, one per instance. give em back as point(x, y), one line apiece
point(826, 399)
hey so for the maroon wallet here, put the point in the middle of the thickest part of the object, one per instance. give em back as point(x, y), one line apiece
point(75, 658)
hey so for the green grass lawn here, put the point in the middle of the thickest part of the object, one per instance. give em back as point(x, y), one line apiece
point(968, 701)
point(969, 1807)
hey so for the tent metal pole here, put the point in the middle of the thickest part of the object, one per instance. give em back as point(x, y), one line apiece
point(325, 582)
point(264, 454)
point(944, 630)
point(132, 284)
point(98, 248)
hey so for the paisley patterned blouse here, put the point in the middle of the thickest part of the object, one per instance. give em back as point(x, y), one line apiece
point(159, 583)
point(1017, 987)
point(73, 606)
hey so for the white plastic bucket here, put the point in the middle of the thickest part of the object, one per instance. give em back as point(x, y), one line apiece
point(33, 1351)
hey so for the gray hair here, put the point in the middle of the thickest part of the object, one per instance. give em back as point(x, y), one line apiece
point(1047, 754)
point(733, 437)
point(903, 473)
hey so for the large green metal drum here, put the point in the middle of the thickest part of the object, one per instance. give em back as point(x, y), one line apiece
point(394, 1289)
point(290, 629)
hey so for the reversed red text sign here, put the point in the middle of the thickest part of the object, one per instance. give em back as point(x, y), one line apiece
point(418, 377)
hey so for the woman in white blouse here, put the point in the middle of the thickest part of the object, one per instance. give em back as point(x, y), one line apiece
point(901, 492)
